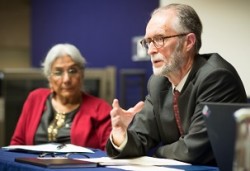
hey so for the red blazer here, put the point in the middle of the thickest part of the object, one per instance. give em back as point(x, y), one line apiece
point(91, 125)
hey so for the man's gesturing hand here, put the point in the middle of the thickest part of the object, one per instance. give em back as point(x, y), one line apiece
point(120, 120)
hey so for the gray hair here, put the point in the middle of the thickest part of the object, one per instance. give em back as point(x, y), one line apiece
point(59, 50)
point(188, 21)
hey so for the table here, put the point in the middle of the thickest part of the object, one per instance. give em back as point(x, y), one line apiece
point(7, 163)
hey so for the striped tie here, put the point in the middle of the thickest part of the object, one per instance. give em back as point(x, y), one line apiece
point(176, 112)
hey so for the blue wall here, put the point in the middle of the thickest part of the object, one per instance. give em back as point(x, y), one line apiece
point(101, 29)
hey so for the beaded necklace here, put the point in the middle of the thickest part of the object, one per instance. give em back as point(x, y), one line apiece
point(56, 124)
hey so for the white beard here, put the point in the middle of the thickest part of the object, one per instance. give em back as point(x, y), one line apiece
point(158, 70)
point(174, 63)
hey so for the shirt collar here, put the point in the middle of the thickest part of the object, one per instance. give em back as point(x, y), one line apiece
point(181, 84)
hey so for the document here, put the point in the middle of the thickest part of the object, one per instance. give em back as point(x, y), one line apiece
point(144, 168)
point(143, 161)
point(50, 147)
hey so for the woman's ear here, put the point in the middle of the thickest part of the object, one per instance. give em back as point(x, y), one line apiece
point(51, 87)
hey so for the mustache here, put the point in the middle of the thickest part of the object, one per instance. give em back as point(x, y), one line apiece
point(157, 57)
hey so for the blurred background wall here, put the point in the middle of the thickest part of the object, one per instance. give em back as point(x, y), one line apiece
point(15, 33)
point(226, 31)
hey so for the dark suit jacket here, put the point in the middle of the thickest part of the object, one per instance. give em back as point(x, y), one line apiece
point(211, 79)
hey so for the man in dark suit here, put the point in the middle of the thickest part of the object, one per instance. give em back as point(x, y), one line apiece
point(173, 40)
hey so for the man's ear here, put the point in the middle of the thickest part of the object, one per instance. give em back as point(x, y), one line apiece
point(190, 41)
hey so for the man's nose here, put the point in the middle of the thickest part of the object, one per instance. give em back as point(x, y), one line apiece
point(151, 48)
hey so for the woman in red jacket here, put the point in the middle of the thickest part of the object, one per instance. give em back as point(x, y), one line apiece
point(63, 113)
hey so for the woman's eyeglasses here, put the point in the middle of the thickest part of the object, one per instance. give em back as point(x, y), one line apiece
point(60, 73)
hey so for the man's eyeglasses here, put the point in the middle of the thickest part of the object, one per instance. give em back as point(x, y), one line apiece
point(59, 73)
point(158, 41)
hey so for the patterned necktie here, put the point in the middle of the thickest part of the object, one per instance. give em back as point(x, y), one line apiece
point(176, 111)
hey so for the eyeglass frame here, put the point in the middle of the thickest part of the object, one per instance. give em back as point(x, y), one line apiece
point(58, 74)
point(51, 155)
point(146, 44)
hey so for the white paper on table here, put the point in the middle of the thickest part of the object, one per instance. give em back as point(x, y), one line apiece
point(50, 147)
point(144, 161)
point(144, 168)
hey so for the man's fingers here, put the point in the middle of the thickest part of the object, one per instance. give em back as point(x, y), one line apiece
point(115, 104)
point(137, 108)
